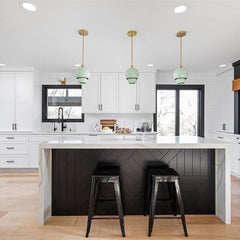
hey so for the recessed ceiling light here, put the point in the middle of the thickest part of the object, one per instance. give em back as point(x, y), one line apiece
point(222, 65)
point(180, 9)
point(77, 65)
point(29, 5)
point(150, 65)
point(3, 65)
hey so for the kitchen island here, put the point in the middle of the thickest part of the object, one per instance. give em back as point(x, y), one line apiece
point(66, 165)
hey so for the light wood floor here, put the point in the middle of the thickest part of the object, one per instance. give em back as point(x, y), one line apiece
point(19, 218)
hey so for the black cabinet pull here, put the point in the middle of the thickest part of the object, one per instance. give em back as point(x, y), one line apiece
point(10, 161)
point(10, 137)
point(10, 148)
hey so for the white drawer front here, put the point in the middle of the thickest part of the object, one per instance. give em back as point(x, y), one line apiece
point(13, 162)
point(13, 138)
point(40, 138)
point(13, 148)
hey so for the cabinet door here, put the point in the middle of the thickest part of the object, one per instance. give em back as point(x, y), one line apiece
point(24, 96)
point(7, 100)
point(225, 101)
point(91, 94)
point(109, 92)
point(146, 93)
point(127, 95)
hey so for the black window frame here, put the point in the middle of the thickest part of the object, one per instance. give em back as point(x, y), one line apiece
point(236, 66)
point(177, 88)
point(45, 106)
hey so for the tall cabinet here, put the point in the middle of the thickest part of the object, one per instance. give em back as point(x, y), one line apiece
point(16, 95)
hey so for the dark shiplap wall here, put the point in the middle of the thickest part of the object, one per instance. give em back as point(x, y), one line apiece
point(72, 170)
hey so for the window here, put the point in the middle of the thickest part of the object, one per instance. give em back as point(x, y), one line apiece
point(68, 97)
point(180, 110)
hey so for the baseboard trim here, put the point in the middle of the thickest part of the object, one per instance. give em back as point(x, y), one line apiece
point(17, 170)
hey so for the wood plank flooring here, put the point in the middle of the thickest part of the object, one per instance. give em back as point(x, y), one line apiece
point(19, 218)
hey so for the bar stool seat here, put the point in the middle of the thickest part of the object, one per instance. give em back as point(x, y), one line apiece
point(109, 175)
point(171, 178)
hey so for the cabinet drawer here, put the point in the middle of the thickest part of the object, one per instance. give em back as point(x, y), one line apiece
point(13, 138)
point(13, 148)
point(40, 138)
point(13, 162)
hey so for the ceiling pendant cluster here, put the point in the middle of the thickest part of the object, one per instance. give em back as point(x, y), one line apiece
point(82, 73)
point(180, 74)
point(132, 74)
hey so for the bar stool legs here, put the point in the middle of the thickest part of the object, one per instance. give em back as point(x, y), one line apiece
point(91, 206)
point(119, 205)
point(155, 184)
point(181, 209)
point(93, 200)
point(152, 206)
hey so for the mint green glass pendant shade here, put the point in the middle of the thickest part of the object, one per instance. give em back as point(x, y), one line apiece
point(82, 75)
point(132, 75)
point(180, 75)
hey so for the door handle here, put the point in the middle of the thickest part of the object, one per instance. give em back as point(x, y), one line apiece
point(10, 137)
point(10, 148)
point(10, 161)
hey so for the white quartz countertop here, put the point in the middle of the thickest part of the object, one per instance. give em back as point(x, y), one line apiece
point(131, 142)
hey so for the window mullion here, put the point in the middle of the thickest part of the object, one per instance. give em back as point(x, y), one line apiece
point(177, 113)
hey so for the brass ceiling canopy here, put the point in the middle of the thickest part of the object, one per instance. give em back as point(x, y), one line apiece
point(83, 32)
point(181, 33)
point(132, 33)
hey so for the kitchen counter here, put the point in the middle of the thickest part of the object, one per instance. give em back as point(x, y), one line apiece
point(66, 165)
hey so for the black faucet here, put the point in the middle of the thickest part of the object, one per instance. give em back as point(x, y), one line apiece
point(61, 119)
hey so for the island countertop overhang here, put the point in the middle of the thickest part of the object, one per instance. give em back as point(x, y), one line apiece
point(105, 142)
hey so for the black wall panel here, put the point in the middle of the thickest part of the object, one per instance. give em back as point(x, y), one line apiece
point(72, 170)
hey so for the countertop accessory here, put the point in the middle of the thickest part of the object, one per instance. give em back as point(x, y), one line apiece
point(108, 123)
point(82, 73)
point(132, 74)
point(180, 74)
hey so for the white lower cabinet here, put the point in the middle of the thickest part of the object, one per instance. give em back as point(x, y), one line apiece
point(14, 151)
point(21, 151)
point(234, 142)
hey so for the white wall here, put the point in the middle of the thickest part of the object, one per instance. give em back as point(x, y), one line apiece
point(127, 120)
point(207, 79)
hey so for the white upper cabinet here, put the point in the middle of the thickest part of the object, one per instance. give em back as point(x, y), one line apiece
point(127, 95)
point(91, 94)
point(225, 101)
point(109, 93)
point(16, 96)
point(146, 91)
point(7, 100)
point(24, 97)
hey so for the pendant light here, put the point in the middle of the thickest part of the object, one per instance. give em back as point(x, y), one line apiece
point(180, 74)
point(82, 73)
point(132, 73)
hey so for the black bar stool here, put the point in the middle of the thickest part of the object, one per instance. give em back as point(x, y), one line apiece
point(171, 178)
point(105, 175)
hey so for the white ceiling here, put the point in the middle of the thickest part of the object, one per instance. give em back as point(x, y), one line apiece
point(48, 39)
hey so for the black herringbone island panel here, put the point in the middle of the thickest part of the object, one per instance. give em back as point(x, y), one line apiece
point(72, 170)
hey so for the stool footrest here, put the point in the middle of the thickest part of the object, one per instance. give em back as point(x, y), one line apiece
point(104, 218)
point(167, 217)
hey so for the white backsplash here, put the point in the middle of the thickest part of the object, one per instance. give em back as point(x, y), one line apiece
point(123, 120)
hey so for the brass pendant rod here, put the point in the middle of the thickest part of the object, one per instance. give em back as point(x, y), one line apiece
point(180, 52)
point(82, 51)
point(131, 51)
